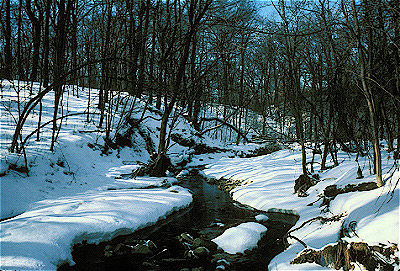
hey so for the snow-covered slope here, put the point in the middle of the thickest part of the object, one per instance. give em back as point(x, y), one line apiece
point(269, 185)
point(71, 194)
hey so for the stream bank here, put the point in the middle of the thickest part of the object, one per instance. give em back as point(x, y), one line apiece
point(182, 240)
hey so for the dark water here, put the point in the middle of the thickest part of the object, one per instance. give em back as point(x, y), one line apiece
point(211, 212)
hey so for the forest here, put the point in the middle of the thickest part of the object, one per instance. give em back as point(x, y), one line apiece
point(321, 75)
point(329, 69)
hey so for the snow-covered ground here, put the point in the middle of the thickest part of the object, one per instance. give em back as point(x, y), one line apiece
point(269, 185)
point(41, 237)
point(72, 194)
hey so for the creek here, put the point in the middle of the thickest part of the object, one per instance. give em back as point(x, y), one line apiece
point(211, 212)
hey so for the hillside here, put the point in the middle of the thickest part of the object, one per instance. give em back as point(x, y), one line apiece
point(84, 191)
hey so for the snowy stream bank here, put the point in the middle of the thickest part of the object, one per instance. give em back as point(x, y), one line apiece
point(267, 182)
point(212, 215)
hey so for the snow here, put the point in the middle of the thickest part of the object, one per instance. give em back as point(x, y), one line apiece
point(240, 238)
point(140, 182)
point(92, 216)
point(372, 214)
point(262, 218)
point(76, 192)
point(268, 185)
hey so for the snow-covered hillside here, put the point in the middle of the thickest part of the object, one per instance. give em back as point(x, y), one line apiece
point(366, 216)
point(72, 194)
point(77, 193)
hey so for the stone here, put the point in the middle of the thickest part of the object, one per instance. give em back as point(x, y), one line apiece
point(186, 142)
point(342, 256)
point(165, 184)
point(151, 245)
point(173, 261)
point(108, 247)
point(200, 242)
point(123, 140)
point(218, 257)
point(201, 252)
point(108, 253)
point(223, 262)
point(122, 249)
point(367, 186)
point(151, 266)
point(130, 240)
point(189, 254)
point(141, 249)
point(302, 184)
point(164, 253)
point(186, 238)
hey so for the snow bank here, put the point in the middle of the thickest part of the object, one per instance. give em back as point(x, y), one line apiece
point(269, 186)
point(371, 215)
point(41, 238)
point(71, 194)
point(140, 182)
point(240, 238)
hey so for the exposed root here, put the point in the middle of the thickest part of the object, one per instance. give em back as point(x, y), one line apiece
point(345, 255)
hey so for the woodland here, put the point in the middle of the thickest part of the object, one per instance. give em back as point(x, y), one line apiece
point(327, 69)
point(199, 134)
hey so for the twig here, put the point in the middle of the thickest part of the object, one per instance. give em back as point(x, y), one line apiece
point(298, 239)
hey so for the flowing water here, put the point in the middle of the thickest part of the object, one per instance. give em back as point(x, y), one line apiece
point(211, 212)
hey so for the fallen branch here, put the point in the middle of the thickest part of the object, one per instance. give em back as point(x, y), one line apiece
point(92, 131)
point(222, 123)
point(320, 218)
point(298, 239)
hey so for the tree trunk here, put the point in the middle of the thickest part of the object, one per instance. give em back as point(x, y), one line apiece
point(389, 132)
point(36, 26)
point(59, 60)
point(8, 71)
point(20, 69)
point(159, 167)
point(46, 45)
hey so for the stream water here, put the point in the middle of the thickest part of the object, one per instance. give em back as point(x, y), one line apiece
point(211, 212)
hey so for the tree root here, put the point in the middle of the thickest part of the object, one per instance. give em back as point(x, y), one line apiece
point(344, 255)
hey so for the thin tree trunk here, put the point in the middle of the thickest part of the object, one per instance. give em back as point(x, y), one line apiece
point(389, 133)
point(59, 61)
point(20, 68)
point(46, 45)
point(8, 67)
point(36, 26)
